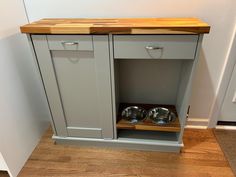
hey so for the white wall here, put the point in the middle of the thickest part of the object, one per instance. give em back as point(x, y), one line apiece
point(228, 108)
point(3, 165)
point(219, 14)
point(24, 115)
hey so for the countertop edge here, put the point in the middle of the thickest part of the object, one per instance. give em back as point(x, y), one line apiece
point(150, 26)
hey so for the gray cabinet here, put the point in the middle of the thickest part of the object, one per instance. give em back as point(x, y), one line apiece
point(76, 75)
point(88, 77)
point(92, 69)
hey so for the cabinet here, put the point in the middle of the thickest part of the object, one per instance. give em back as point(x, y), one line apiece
point(91, 74)
point(76, 74)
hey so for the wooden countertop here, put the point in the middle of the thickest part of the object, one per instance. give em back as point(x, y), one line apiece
point(117, 26)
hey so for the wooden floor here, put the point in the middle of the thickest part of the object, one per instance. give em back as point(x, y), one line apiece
point(201, 157)
point(4, 174)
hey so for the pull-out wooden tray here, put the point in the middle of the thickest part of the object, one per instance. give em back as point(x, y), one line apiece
point(147, 124)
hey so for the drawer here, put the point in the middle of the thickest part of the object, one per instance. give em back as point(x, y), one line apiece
point(70, 42)
point(155, 46)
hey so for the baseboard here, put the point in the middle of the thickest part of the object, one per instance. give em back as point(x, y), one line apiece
point(163, 146)
point(225, 127)
point(197, 123)
point(227, 123)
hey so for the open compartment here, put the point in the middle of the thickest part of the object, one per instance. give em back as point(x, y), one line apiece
point(152, 83)
point(149, 136)
point(147, 124)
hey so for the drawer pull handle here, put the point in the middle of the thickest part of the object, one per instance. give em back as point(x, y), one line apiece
point(70, 43)
point(153, 48)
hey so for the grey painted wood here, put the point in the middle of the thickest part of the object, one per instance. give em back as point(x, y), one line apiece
point(50, 83)
point(117, 87)
point(148, 81)
point(173, 46)
point(185, 88)
point(101, 53)
point(143, 135)
point(114, 97)
point(167, 146)
point(77, 83)
point(84, 132)
point(79, 88)
point(64, 42)
point(85, 85)
point(184, 93)
point(40, 77)
point(158, 82)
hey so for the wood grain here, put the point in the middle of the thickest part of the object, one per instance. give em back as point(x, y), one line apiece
point(4, 174)
point(200, 157)
point(147, 124)
point(172, 127)
point(117, 26)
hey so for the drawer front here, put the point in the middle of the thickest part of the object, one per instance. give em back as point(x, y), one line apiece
point(155, 46)
point(70, 42)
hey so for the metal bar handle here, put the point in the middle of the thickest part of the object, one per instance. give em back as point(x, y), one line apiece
point(153, 48)
point(70, 43)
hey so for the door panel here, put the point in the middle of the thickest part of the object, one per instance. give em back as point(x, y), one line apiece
point(84, 91)
point(50, 84)
point(84, 132)
point(76, 78)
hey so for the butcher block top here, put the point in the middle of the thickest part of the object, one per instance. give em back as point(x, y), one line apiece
point(117, 26)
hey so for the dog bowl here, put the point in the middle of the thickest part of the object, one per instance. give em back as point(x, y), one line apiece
point(134, 114)
point(161, 115)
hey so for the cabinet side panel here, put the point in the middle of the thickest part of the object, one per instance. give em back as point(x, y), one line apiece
point(114, 84)
point(185, 88)
point(184, 91)
point(40, 75)
point(101, 53)
point(50, 83)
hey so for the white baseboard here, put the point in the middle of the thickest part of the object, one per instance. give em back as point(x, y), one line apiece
point(196, 127)
point(200, 123)
point(197, 122)
point(225, 127)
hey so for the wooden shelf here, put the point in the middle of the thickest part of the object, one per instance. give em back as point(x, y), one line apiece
point(147, 124)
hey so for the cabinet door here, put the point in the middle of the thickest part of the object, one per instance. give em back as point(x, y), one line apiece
point(76, 74)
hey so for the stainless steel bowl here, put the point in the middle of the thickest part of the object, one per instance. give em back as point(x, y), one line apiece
point(134, 114)
point(161, 115)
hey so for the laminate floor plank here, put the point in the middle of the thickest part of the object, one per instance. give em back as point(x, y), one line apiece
point(200, 157)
